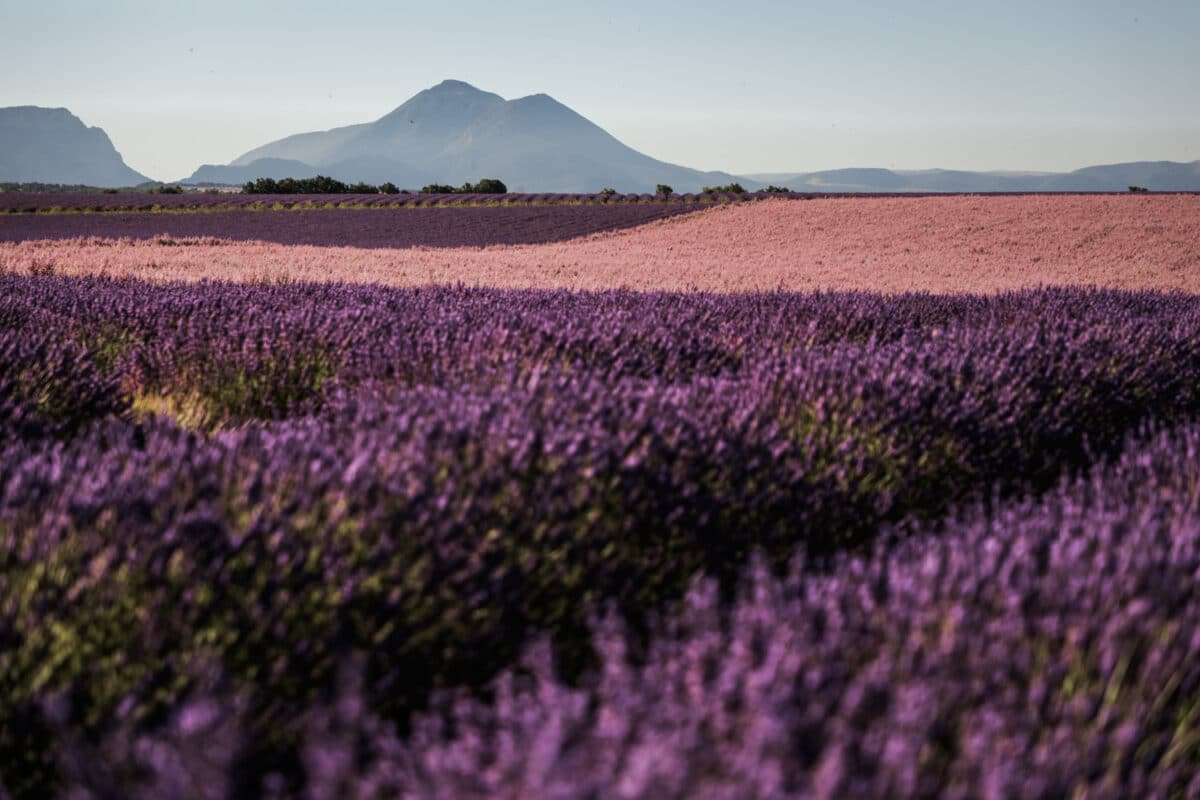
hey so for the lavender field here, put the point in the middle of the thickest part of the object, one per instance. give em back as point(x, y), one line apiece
point(69, 202)
point(383, 227)
point(347, 540)
point(482, 401)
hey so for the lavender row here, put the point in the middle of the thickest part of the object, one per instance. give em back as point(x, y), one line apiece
point(841, 390)
point(28, 202)
point(1044, 648)
point(441, 226)
point(50, 388)
point(1008, 388)
point(68, 202)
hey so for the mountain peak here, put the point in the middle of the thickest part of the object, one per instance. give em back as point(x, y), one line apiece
point(453, 86)
point(451, 103)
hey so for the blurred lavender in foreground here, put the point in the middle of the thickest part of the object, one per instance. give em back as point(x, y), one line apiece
point(1045, 649)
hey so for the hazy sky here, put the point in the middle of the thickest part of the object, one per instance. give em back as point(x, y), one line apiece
point(739, 86)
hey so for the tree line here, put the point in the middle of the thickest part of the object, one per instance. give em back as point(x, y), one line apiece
point(323, 184)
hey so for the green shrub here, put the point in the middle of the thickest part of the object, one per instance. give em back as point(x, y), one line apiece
point(321, 184)
point(485, 186)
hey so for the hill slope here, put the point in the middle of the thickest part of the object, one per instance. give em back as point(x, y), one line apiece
point(52, 145)
point(1162, 176)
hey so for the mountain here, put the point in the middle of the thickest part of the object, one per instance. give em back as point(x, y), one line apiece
point(275, 168)
point(1163, 176)
point(453, 133)
point(1156, 175)
point(52, 145)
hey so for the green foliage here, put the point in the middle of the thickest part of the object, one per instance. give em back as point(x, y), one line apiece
point(732, 188)
point(211, 392)
point(607, 192)
point(663, 190)
point(773, 189)
point(1138, 189)
point(485, 186)
point(388, 188)
point(168, 188)
point(318, 185)
point(108, 344)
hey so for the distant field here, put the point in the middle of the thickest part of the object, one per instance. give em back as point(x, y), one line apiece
point(68, 202)
point(439, 226)
point(92, 203)
point(937, 244)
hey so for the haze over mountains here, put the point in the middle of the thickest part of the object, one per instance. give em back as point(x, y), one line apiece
point(454, 133)
point(52, 145)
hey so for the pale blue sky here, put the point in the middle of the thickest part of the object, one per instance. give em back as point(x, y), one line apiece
point(739, 86)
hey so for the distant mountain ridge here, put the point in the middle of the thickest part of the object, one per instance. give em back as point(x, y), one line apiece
point(52, 145)
point(1162, 176)
point(454, 133)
